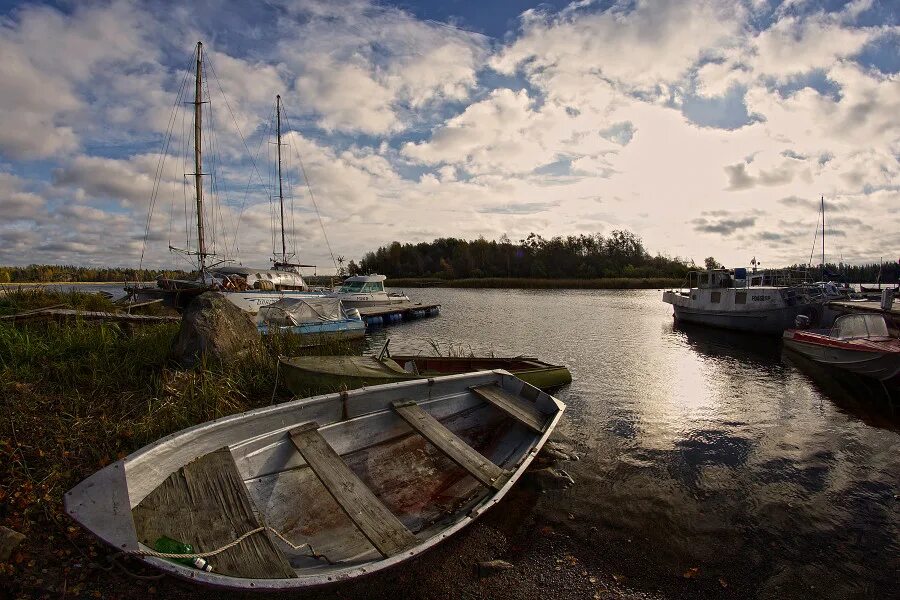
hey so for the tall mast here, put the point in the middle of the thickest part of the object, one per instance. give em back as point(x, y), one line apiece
point(823, 238)
point(198, 156)
point(280, 191)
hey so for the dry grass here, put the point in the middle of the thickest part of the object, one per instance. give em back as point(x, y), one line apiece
point(75, 397)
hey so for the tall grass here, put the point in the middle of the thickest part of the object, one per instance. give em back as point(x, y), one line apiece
point(20, 299)
point(76, 396)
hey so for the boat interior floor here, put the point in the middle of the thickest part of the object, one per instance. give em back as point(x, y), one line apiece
point(353, 507)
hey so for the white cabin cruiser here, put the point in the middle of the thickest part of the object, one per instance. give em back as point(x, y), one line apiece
point(250, 289)
point(760, 302)
point(363, 291)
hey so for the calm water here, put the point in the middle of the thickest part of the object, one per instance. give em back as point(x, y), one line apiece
point(704, 448)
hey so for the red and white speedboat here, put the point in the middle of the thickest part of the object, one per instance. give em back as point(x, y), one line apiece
point(859, 343)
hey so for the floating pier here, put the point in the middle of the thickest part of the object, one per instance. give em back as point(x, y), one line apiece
point(379, 316)
point(871, 306)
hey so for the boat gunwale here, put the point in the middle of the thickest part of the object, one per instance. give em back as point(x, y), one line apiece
point(332, 576)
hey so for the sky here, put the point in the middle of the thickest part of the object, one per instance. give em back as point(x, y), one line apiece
point(708, 128)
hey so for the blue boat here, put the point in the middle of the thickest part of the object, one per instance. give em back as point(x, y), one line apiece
point(320, 319)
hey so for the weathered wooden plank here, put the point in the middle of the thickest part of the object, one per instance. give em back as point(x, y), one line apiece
point(205, 504)
point(450, 444)
point(61, 314)
point(380, 526)
point(513, 406)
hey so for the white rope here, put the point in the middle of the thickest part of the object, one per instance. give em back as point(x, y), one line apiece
point(225, 547)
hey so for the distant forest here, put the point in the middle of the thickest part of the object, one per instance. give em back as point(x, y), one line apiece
point(889, 271)
point(68, 273)
point(620, 254)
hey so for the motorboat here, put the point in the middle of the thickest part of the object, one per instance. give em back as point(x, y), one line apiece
point(321, 490)
point(760, 301)
point(365, 291)
point(860, 343)
point(319, 319)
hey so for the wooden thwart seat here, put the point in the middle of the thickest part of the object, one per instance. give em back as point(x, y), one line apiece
point(205, 504)
point(523, 412)
point(380, 526)
point(450, 444)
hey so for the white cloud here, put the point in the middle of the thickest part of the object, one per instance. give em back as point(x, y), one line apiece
point(640, 47)
point(17, 203)
point(363, 66)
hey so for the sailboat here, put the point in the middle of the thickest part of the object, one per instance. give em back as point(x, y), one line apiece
point(247, 287)
point(250, 289)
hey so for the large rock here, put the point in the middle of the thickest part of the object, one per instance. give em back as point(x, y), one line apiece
point(214, 327)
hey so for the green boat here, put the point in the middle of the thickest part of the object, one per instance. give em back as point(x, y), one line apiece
point(311, 375)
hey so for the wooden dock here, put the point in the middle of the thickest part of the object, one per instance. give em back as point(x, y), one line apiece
point(869, 306)
point(378, 316)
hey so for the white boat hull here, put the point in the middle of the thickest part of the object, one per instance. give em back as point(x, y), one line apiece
point(251, 300)
point(761, 310)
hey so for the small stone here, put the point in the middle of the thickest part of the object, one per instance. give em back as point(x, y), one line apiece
point(549, 479)
point(9, 541)
point(489, 567)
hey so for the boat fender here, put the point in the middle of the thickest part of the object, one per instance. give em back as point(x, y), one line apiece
point(430, 381)
point(344, 397)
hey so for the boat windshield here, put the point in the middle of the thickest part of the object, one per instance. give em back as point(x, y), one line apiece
point(354, 287)
point(360, 287)
point(859, 326)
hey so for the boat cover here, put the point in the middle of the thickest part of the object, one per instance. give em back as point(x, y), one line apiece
point(848, 327)
point(288, 312)
point(348, 366)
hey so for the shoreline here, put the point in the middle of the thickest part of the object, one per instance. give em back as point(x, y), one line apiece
point(608, 283)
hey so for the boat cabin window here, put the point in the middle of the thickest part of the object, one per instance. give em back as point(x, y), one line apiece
point(353, 287)
point(740, 298)
point(859, 326)
point(373, 287)
point(715, 297)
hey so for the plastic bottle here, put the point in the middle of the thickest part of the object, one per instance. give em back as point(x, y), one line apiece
point(167, 545)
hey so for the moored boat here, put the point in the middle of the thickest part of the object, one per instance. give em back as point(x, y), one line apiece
point(538, 373)
point(858, 343)
point(318, 319)
point(366, 291)
point(758, 302)
point(325, 489)
point(306, 375)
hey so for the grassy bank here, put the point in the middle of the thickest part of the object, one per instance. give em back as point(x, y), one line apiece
point(75, 397)
point(607, 283)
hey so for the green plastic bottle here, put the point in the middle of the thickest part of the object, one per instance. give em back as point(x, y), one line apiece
point(167, 545)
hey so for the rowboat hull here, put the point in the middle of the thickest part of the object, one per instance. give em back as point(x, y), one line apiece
point(531, 370)
point(868, 362)
point(431, 496)
point(308, 375)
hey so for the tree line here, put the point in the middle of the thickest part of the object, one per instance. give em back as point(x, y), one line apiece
point(888, 273)
point(620, 254)
point(70, 273)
